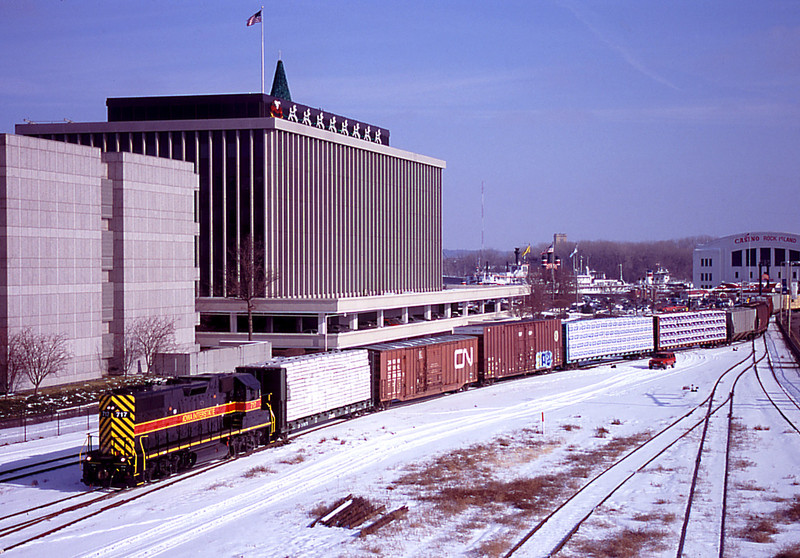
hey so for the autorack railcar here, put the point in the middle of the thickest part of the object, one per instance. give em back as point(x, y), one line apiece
point(309, 389)
point(602, 338)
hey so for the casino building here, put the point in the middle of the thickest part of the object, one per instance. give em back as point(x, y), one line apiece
point(745, 257)
point(347, 227)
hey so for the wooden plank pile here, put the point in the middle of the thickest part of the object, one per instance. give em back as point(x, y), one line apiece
point(351, 512)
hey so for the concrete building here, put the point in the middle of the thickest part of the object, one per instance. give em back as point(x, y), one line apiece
point(349, 226)
point(743, 258)
point(90, 241)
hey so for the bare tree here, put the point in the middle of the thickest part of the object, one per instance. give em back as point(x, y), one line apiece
point(128, 348)
point(548, 289)
point(536, 301)
point(10, 363)
point(145, 337)
point(42, 355)
point(248, 278)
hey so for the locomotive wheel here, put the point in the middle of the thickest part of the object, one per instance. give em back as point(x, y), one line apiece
point(163, 467)
point(234, 447)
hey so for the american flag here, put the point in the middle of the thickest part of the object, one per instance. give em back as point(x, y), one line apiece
point(255, 18)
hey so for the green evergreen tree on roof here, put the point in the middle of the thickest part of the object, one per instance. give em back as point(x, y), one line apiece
point(280, 87)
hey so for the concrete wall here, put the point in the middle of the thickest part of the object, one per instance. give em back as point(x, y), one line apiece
point(224, 359)
point(50, 234)
point(154, 269)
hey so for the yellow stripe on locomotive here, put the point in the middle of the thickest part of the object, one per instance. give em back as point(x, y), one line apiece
point(117, 425)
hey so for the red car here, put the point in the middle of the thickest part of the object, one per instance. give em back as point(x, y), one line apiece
point(662, 359)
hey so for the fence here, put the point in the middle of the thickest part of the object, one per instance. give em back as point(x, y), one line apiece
point(56, 423)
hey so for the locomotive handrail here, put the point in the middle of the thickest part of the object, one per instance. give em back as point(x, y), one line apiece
point(144, 456)
point(87, 445)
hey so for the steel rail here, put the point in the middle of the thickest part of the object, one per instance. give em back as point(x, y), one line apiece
point(698, 459)
point(668, 427)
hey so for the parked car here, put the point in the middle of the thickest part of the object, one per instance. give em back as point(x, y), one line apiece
point(662, 359)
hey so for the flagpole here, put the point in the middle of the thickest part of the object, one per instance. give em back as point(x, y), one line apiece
point(262, 50)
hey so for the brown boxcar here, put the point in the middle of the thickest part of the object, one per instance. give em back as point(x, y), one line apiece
point(513, 348)
point(763, 312)
point(404, 370)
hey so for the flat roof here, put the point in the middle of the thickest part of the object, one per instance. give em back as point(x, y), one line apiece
point(226, 106)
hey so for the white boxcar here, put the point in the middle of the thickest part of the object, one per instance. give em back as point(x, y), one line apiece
point(607, 337)
point(309, 389)
point(685, 329)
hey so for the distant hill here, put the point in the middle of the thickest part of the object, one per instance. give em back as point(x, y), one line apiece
point(603, 256)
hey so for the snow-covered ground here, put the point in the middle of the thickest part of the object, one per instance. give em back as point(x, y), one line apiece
point(477, 470)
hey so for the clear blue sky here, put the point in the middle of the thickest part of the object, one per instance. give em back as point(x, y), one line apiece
point(618, 120)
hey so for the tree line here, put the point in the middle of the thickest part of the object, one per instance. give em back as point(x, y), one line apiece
point(603, 256)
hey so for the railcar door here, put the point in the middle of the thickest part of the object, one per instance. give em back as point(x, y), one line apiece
point(420, 363)
point(433, 375)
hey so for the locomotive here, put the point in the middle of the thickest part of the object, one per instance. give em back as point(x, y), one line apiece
point(150, 432)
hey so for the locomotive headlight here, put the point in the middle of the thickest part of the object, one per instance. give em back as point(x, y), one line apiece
point(88, 458)
point(123, 459)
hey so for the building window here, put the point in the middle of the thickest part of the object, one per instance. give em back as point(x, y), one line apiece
point(780, 256)
point(794, 256)
point(736, 259)
point(751, 258)
point(736, 275)
point(766, 257)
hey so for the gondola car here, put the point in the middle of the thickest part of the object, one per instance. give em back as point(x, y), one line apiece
point(148, 432)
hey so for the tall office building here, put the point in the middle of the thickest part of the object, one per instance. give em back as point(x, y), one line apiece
point(340, 216)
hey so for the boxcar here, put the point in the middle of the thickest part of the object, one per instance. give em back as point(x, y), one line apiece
point(763, 311)
point(686, 329)
point(586, 340)
point(514, 348)
point(414, 368)
point(741, 323)
point(309, 389)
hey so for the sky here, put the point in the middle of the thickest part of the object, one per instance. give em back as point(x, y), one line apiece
point(614, 120)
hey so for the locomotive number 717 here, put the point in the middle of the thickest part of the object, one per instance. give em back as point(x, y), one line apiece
point(114, 414)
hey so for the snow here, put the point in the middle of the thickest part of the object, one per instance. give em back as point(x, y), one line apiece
point(262, 504)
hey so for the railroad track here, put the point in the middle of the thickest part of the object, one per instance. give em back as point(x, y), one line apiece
point(69, 512)
point(693, 539)
point(555, 530)
point(38, 467)
point(115, 498)
point(792, 402)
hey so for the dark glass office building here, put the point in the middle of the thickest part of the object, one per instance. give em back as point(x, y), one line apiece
point(338, 212)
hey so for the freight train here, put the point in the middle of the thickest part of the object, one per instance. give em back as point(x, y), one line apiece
point(150, 432)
